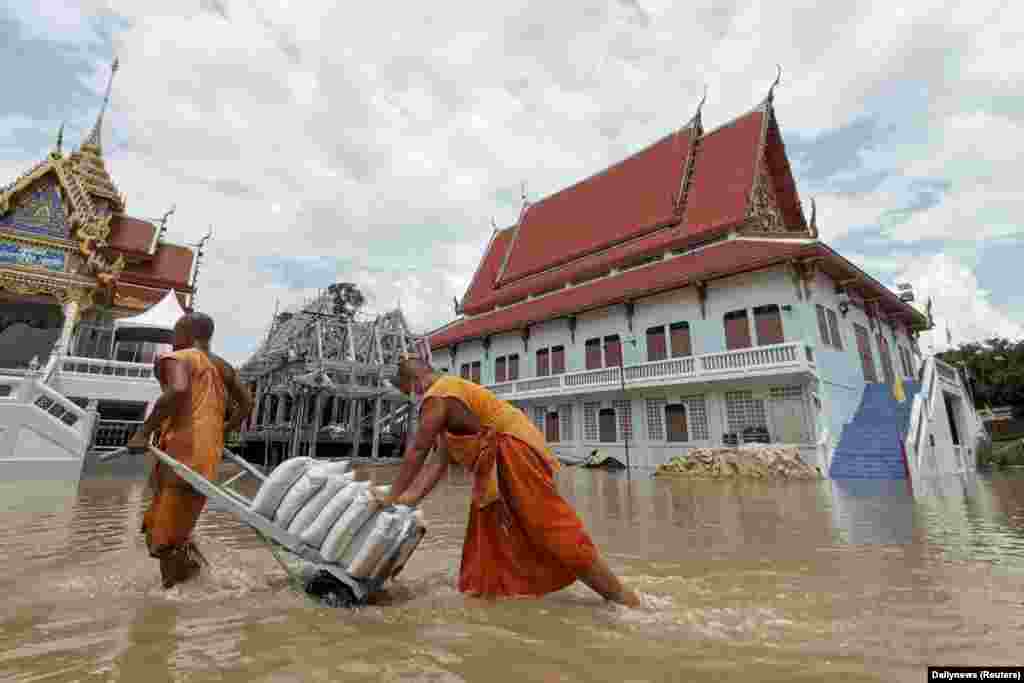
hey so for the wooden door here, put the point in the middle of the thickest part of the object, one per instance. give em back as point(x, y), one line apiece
point(867, 359)
point(887, 369)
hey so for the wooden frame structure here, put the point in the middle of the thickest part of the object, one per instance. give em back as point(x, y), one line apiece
point(322, 384)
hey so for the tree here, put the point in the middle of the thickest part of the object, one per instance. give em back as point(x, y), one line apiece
point(997, 367)
point(347, 300)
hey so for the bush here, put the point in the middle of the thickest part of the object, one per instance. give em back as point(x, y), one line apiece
point(1000, 454)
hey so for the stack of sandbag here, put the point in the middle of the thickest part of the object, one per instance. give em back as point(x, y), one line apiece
point(323, 505)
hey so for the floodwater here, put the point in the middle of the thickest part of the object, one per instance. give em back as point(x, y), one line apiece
point(805, 581)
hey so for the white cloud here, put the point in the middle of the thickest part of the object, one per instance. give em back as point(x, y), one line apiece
point(385, 142)
point(959, 303)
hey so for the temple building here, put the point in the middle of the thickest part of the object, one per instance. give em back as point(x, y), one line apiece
point(682, 298)
point(73, 261)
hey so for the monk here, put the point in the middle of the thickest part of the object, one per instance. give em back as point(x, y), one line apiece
point(523, 538)
point(190, 415)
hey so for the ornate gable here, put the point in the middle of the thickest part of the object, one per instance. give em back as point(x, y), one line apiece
point(40, 210)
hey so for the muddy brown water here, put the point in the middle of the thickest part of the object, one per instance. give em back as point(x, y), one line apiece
point(802, 581)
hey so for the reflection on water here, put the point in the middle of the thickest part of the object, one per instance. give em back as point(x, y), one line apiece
point(798, 581)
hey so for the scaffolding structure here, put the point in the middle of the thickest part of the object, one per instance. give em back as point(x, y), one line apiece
point(323, 384)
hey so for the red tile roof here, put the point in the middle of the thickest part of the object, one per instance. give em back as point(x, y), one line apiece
point(487, 272)
point(628, 199)
point(131, 234)
point(730, 257)
point(724, 174)
point(782, 178)
point(170, 266)
point(587, 268)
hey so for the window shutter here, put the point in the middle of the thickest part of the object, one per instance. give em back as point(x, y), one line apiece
point(557, 360)
point(499, 369)
point(543, 363)
point(681, 344)
point(593, 351)
point(656, 343)
point(823, 325)
point(612, 351)
point(768, 322)
point(513, 367)
point(737, 330)
point(833, 327)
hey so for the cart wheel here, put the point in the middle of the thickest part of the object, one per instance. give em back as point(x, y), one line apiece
point(330, 591)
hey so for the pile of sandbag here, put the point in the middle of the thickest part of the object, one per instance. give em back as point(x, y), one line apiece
point(324, 506)
point(751, 462)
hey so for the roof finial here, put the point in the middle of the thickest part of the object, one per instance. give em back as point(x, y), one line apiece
point(696, 121)
point(95, 136)
point(60, 138)
point(199, 260)
point(522, 192)
point(163, 220)
point(814, 214)
point(778, 77)
point(494, 224)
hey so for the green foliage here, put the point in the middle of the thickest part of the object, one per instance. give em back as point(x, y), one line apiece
point(347, 300)
point(1001, 454)
point(997, 366)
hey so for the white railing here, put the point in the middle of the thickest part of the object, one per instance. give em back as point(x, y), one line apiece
point(77, 365)
point(688, 368)
point(9, 386)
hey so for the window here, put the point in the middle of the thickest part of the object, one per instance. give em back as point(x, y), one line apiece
point(675, 423)
point(680, 336)
point(606, 422)
point(565, 422)
point(499, 369)
point(475, 372)
point(697, 417)
point(557, 360)
point(737, 330)
point(464, 371)
point(833, 327)
point(612, 351)
point(538, 417)
point(655, 421)
point(551, 428)
point(513, 367)
point(768, 324)
point(543, 363)
point(593, 354)
point(656, 343)
point(624, 411)
point(826, 338)
point(743, 411)
point(590, 432)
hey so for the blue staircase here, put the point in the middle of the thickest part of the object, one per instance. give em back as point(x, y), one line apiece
point(869, 447)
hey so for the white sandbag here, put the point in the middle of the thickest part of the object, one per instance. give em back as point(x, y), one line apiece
point(345, 529)
point(276, 487)
point(336, 467)
point(316, 533)
point(412, 533)
point(386, 528)
point(315, 505)
point(359, 537)
point(307, 486)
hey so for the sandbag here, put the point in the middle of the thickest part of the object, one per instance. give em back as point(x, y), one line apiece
point(345, 529)
point(277, 485)
point(334, 467)
point(412, 533)
point(307, 486)
point(359, 537)
point(315, 505)
point(316, 533)
point(386, 527)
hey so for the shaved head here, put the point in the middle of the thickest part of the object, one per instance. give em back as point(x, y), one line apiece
point(411, 369)
point(193, 327)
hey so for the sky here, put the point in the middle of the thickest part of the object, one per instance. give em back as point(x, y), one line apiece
point(377, 145)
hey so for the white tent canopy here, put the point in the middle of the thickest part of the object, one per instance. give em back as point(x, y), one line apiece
point(159, 317)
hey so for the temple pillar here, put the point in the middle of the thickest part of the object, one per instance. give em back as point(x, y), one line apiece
point(75, 301)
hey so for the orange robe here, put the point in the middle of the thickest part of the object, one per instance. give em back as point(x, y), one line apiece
point(195, 438)
point(523, 538)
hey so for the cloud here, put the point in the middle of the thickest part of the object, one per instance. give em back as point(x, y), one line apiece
point(959, 303)
point(376, 150)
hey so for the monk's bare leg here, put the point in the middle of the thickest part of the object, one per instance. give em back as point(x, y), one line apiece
point(602, 580)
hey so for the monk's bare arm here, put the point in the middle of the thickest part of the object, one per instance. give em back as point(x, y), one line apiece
point(433, 417)
point(241, 399)
point(177, 383)
point(428, 476)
